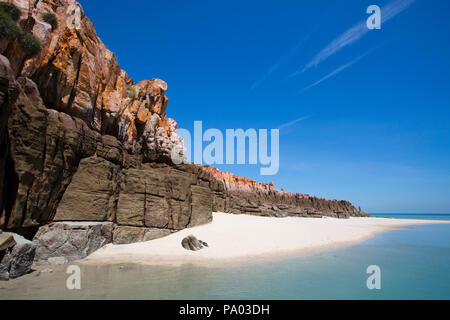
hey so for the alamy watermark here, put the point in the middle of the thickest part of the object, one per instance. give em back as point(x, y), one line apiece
point(235, 146)
point(73, 282)
point(374, 21)
point(374, 280)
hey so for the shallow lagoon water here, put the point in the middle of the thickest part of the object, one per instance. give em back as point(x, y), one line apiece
point(414, 262)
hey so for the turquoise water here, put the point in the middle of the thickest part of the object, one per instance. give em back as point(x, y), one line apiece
point(414, 263)
point(425, 216)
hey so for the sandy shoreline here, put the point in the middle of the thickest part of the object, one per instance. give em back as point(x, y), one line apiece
point(243, 237)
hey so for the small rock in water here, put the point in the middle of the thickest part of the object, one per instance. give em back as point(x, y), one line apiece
point(47, 271)
point(38, 273)
point(57, 260)
point(124, 268)
point(193, 244)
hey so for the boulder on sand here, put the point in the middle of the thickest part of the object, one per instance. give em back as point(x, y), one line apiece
point(193, 244)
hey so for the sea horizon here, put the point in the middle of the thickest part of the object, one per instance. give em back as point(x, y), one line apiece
point(413, 214)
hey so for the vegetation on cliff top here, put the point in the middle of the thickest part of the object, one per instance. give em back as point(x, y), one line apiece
point(9, 30)
point(11, 10)
point(30, 44)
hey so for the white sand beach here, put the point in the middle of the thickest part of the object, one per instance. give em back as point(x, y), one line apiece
point(237, 237)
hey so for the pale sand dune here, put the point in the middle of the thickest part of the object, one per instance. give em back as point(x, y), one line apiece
point(236, 237)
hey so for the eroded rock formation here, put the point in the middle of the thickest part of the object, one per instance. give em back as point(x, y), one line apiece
point(71, 240)
point(16, 257)
point(81, 142)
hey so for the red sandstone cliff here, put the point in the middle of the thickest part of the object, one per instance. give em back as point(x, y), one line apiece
point(76, 74)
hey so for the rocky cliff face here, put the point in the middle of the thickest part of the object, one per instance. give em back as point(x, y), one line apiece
point(81, 142)
point(251, 197)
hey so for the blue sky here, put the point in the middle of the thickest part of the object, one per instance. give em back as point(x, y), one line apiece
point(374, 104)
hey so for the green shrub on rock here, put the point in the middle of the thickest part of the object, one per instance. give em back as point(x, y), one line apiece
point(29, 44)
point(131, 91)
point(51, 19)
point(11, 10)
point(8, 28)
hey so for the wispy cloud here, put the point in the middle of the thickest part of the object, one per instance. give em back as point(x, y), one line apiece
point(335, 72)
point(279, 62)
point(291, 123)
point(356, 32)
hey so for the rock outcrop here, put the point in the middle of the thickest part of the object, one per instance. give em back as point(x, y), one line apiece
point(74, 103)
point(16, 260)
point(263, 199)
point(72, 240)
point(81, 142)
point(6, 241)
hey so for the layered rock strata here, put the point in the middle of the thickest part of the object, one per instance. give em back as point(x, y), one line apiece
point(250, 197)
point(62, 170)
